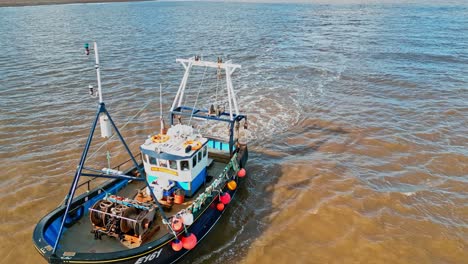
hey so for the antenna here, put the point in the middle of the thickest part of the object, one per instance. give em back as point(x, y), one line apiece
point(160, 100)
point(161, 119)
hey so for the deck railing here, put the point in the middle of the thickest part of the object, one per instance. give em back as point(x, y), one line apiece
point(138, 157)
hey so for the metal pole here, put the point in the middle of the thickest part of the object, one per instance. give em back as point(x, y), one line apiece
point(179, 90)
point(98, 73)
point(229, 92)
point(126, 177)
point(231, 137)
point(71, 193)
point(122, 140)
point(183, 85)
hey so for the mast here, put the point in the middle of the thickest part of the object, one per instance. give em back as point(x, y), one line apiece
point(98, 72)
point(106, 127)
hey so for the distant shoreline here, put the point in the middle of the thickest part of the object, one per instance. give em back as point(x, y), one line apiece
point(12, 3)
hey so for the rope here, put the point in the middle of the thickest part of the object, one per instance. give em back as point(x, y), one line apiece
point(198, 94)
point(187, 88)
point(108, 156)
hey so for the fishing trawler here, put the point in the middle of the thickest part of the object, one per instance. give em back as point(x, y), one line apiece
point(167, 199)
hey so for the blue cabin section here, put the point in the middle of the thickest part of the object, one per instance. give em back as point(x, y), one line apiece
point(191, 187)
point(218, 145)
point(176, 160)
point(187, 173)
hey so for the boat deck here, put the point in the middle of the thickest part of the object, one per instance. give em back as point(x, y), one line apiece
point(80, 238)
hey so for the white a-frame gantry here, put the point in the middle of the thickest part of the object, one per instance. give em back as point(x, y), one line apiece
point(228, 67)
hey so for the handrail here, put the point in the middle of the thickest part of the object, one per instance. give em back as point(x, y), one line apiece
point(129, 160)
point(114, 215)
point(88, 182)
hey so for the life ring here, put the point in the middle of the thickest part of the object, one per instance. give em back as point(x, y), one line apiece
point(196, 145)
point(160, 138)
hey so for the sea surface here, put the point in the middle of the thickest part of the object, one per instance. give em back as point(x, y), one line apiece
point(358, 119)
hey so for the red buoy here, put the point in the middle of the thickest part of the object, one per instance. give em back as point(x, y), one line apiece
point(220, 206)
point(225, 198)
point(177, 224)
point(176, 245)
point(189, 241)
point(241, 173)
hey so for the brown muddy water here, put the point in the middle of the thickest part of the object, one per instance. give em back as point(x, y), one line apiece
point(358, 120)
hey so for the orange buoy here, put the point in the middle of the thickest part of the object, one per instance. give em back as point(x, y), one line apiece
point(225, 198)
point(177, 224)
point(220, 206)
point(176, 245)
point(241, 173)
point(196, 145)
point(189, 241)
point(179, 196)
point(232, 185)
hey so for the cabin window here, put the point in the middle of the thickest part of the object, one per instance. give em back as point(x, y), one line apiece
point(152, 160)
point(173, 164)
point(162, 163)
point(184, 165)
point(146, 159)
point(194, 161)
point(199, 156)
point(205, 151)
